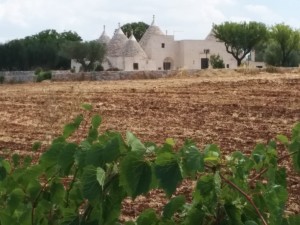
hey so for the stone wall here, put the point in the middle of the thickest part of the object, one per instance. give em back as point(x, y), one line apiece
point(15, 77)
point(28, 76)
point(110, 75)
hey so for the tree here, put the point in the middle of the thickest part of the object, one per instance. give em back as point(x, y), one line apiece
point(216, 62)
point(284, 45)
point(240, 38)
point(88, 54)
point(39, 50)
point(138, 29)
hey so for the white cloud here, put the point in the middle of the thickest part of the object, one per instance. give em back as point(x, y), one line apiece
point(188, 19)
point(262, 12)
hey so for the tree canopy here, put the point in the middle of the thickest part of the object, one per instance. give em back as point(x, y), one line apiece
point(284, 45)
point(138, 29)
point(240, 38)
point(89, 54)
point(39, 50)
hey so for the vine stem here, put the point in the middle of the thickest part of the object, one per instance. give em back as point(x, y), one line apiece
point(266, 169)
point(249, 199)
point(34, 204)
point(70, 187)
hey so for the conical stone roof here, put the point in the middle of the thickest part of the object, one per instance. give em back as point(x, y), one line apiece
point(150, 32)
point(211, 36)
point(133, 49)
point(104, 38)
point(117, 43)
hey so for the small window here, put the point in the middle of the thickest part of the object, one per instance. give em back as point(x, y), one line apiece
point(159, 68)
point(135, 66)
point(162, 45)
point(227, 65)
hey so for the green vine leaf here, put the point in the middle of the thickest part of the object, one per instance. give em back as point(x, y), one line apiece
point(36, 146)
point(250, 222)
point(91, 188)
point(212, 155)
point(101, 154)
point(275, 199)
point(101, 176)
point(294, 220)
point(70, 128)
point(170, 141)
point(192, 160)
point(148, 217)
point(87, 107)
point(173, 206)
point(134, 143)
point(5, 169)
point(195, 216)
point(234, 214)
point(50, 157)
point(15, 198)
point(5, 218)
point(283, 139)
point(205, 189)
point(167, 172)
point(135, 174)
point(294, 148)
point(296, 132)
point(96, 121)
point(66, 158)
point(57, 192)
point(33, 189)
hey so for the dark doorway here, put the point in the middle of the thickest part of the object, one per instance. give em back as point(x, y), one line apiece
point(135, 66)
point(204, 63)
point(167, 65)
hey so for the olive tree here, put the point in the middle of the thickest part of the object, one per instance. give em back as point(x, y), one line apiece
point(240, 38)
point(283, 46)
point(88, 54)
point(138, 29)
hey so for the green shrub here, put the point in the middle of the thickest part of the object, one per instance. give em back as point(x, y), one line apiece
point(216, 62)
point(38, 70)
point(2, 79)
point(113, 69)
point(73, 70)
point(44, 75)
point(273, 69)
point(99, 68)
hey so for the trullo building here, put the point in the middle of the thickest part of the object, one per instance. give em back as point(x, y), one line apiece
point(159, 51)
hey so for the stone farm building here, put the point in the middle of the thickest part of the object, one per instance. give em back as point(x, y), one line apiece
point(159, 51)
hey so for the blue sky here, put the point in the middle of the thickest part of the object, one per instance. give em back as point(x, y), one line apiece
point(186, 19)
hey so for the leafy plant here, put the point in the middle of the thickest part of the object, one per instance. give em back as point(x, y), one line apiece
point(85, 181)
point(2, 79)
point(216, 62)
point(43, 75)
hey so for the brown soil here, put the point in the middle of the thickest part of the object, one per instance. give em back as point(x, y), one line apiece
point(232, 109)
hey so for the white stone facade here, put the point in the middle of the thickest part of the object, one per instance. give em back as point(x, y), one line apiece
point(158, 51)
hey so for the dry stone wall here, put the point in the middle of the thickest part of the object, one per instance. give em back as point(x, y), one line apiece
point(28, 76)
point(110, 75)
point(18, 76)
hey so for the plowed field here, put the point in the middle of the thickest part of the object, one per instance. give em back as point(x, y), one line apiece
point(233, 110)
